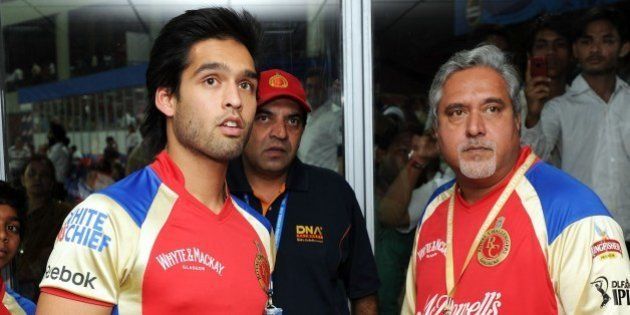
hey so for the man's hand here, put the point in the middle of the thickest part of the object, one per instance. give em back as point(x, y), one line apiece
point(424, 150)
point(537, 93)
point(392, 211)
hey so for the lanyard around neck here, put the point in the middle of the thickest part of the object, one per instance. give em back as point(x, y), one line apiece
point(278, 230)
point(507, 191)
point(279, 221)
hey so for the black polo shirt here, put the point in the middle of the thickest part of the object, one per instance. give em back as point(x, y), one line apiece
point(324, 255)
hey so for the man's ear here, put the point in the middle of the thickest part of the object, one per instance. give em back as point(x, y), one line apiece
point(625, 49)
point(165, 101)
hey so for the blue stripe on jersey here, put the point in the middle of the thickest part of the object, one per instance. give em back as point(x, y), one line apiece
point(115, 310)
point(564, 199)
point(253, 213)
point(440, 190)
point(436, 193)
point(27, 305)
point(135, 193)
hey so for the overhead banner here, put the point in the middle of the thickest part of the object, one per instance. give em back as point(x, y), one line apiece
point(471, 13)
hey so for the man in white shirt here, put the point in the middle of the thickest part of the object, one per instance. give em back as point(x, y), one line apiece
point(589, 124)
point(58, 151)
point(323, 135)
point(133, 138)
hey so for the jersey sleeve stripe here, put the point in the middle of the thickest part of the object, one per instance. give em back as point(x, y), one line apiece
point(135, 193)
point(11, 301)
point(264, 232)
point(71, 296)
point(440, 190)
point(25, 304)
point(438, 197)
point(533, 208)
point(249, 210)
point(564, 199)
point(157, 215)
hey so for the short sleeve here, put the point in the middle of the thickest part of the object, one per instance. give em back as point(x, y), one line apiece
point(94, 250)
point(590, 268)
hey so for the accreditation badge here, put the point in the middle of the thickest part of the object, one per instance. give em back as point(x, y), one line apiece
point(494, 246)
point(272, 310)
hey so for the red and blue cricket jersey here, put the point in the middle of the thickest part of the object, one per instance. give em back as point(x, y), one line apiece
point(146, 246)
point(552, 249)
point(13, 303)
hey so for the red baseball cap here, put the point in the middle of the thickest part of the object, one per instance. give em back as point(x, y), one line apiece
point(275, 83)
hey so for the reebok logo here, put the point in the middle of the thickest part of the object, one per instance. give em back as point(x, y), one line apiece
point(66, 275)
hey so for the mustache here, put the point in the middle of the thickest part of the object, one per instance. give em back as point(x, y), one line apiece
point(476, 144)
point(230, 114)
point(275, 143)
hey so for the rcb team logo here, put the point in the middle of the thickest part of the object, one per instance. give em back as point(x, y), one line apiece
point(278, 81)
point(261, 268)
point(494, 246)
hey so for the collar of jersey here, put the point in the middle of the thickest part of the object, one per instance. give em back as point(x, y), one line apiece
point(172, 176)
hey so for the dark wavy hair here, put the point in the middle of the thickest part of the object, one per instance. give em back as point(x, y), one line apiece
point(170, 53)
point(555, 23)
point(615, 17)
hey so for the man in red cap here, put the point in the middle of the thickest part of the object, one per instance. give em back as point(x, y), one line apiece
point(322, 245)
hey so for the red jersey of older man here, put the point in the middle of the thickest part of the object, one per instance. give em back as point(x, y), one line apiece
point(275, 83)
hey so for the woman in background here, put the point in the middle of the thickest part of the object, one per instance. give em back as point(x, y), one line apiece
point(45, 215)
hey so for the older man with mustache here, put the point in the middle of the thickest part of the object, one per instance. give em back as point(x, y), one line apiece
point(510, 234)
point(323, 255)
